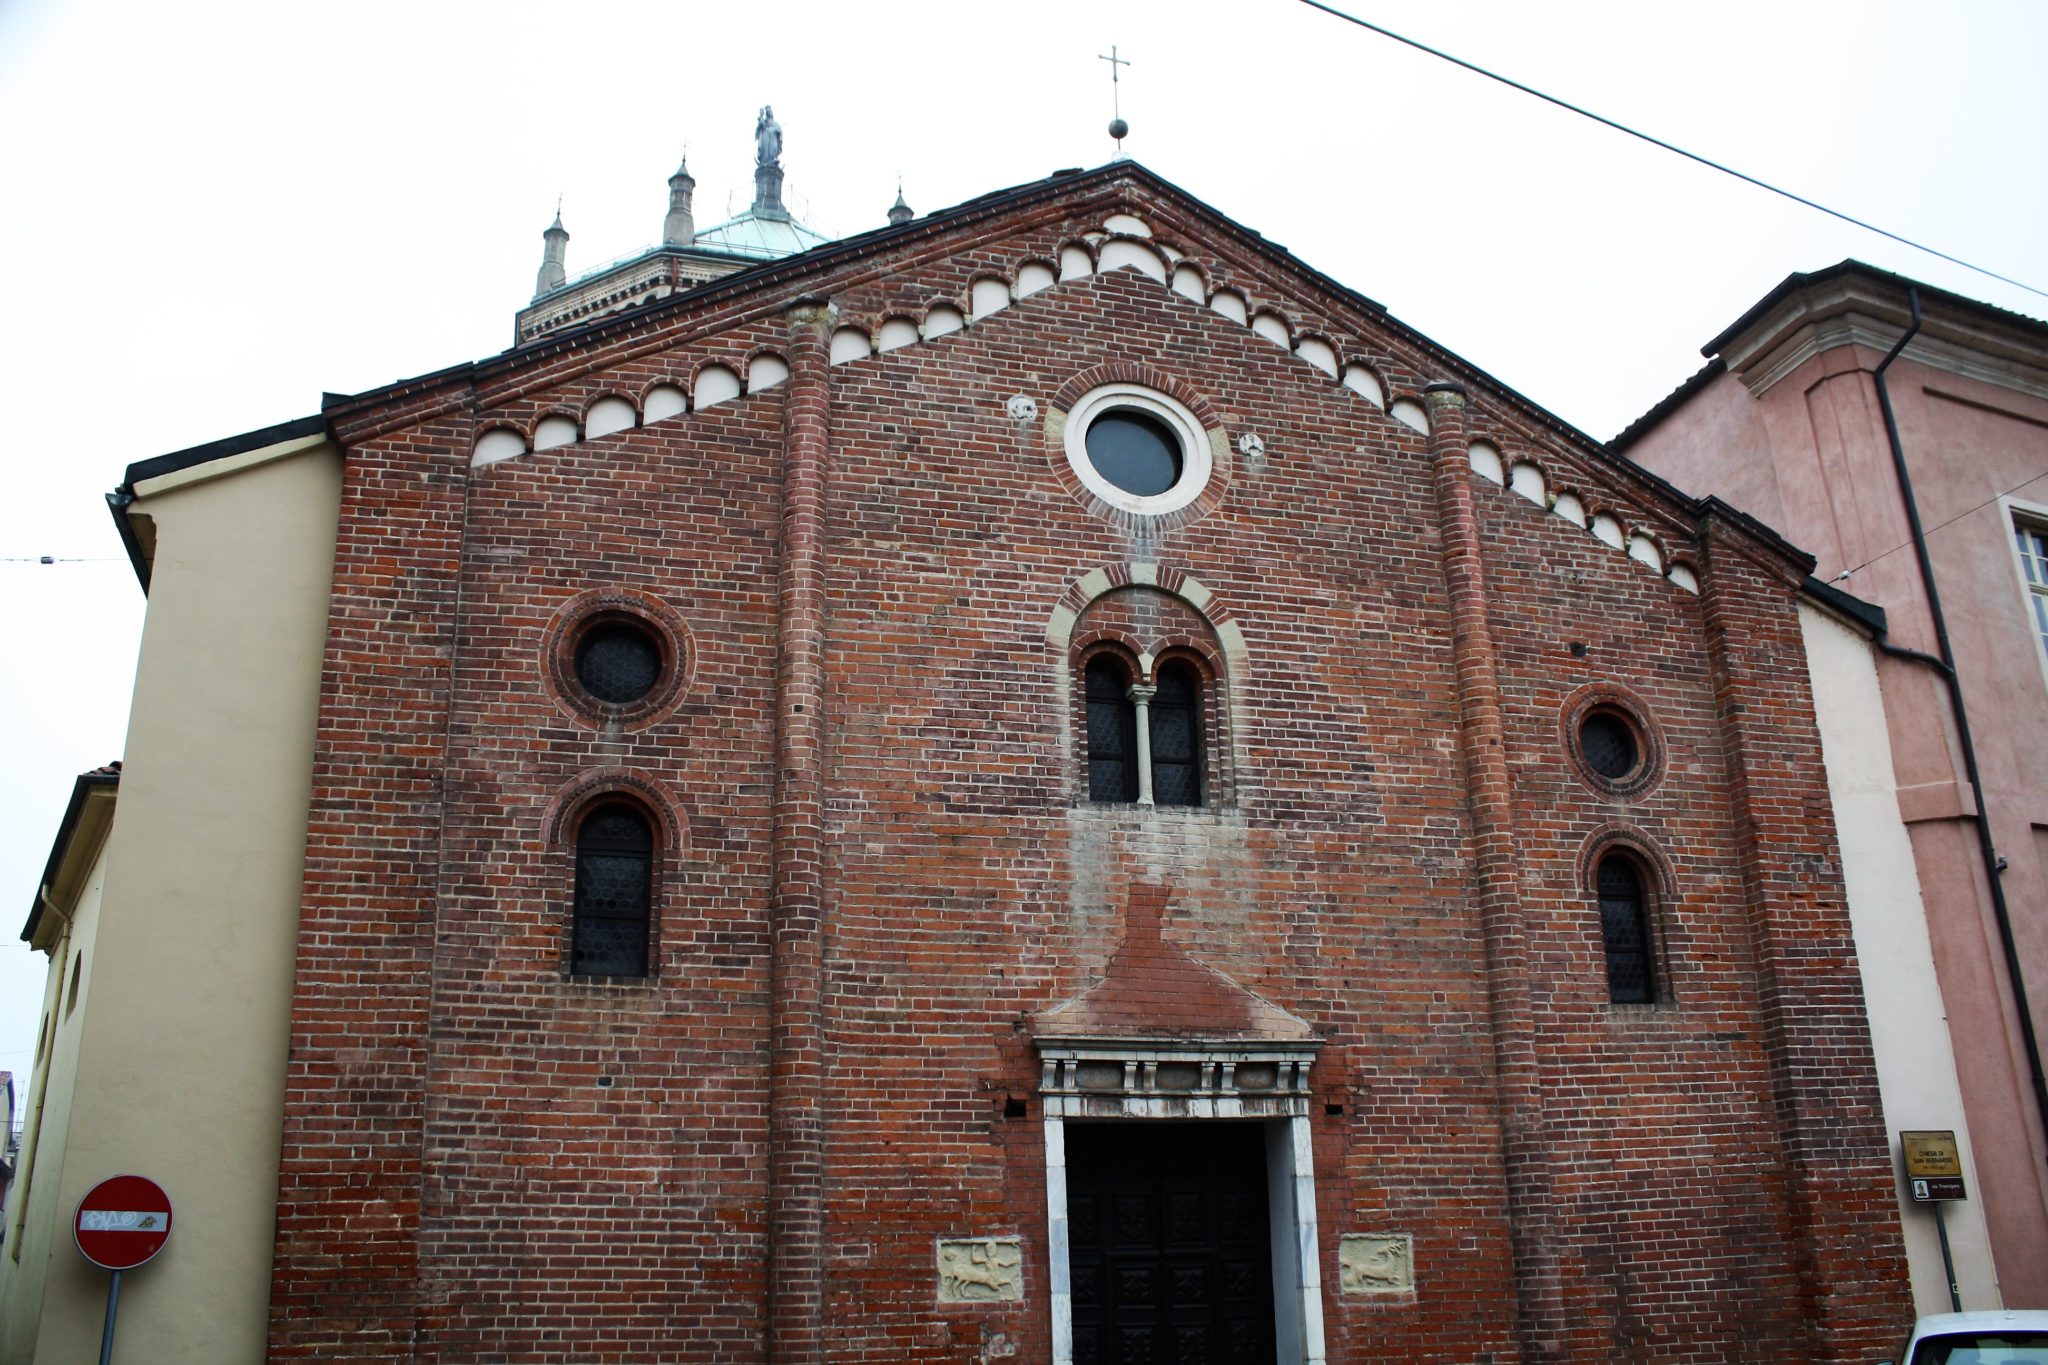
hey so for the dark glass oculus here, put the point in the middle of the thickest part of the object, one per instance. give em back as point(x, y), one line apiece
point(1136, 453)
point(618, 663)
point(1608, 745)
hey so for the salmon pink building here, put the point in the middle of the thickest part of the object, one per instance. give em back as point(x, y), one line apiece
point(1900, 433)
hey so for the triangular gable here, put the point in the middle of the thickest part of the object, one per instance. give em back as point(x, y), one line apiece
point(919, 282)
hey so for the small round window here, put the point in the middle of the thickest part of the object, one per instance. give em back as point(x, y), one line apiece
point(618, 662)
point(616, 657)
point(1608, 744)
point(1611, 741)
point(1137, 449)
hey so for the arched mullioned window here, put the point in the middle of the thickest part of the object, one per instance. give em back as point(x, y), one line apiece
point(1112, 732)
point(1176, 733)
point(1625, 931)
point(614, 892)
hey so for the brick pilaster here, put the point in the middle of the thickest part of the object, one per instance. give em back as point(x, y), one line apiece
point(345, 1281)
point(1837, 1176)
point(796, 1184)
point(1497, 876)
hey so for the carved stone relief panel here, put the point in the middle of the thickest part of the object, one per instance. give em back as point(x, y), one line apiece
point(1376, 1264)
point(981, 1269)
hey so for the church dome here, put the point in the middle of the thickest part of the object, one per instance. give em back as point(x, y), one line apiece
point(761, 237)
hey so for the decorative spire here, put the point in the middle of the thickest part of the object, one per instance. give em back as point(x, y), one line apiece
point(768, 166)
point(554, 270)
point(680, 229)
point(900, 212)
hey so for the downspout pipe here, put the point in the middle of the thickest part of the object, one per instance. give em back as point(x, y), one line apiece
point(1946, 666)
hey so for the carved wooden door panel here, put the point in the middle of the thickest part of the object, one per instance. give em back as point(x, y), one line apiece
point(1168, 1244)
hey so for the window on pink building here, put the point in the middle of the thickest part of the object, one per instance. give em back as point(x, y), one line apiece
point(2033, 542)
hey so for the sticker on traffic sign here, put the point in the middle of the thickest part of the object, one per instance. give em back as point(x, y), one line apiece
point(122, 1222)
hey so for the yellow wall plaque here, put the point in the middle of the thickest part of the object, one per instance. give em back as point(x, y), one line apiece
point(1931, 1153)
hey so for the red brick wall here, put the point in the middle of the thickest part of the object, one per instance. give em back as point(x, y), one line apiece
point(460, 1185)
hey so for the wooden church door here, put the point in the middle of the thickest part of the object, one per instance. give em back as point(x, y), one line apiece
point(1169, 1253)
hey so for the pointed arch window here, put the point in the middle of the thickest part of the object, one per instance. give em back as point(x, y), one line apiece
point(614, 892)
point(1112, 732)
point(1625, 931)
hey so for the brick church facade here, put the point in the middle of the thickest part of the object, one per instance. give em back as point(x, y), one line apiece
point(1042, 783)
point(1047, 782)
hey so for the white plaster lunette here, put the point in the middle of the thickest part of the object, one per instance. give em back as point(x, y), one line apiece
point(1127, 241)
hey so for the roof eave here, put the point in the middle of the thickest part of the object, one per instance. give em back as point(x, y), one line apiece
point(99, 780)
point(1668, 404)
point(1868, 615)
point(1799, 281)
point(192, 457)
point(179, 460)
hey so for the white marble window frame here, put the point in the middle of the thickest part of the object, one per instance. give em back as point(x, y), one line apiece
point(1197, 462)
point(1290, 1199)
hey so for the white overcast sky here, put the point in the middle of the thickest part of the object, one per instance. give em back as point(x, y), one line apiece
point(210, 212)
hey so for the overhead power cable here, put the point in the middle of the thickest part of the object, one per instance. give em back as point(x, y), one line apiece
point(2036, 478)
point(1512, 84)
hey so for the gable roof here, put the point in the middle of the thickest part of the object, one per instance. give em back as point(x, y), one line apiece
point(776, 283)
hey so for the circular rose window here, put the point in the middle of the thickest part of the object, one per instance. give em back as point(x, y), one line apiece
point(1137, 449)
point(1608, 744)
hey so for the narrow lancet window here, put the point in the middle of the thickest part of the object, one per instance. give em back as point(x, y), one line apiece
point(1176, 726)
point(1112, 733)
point(1624, 926)
point(614, 884)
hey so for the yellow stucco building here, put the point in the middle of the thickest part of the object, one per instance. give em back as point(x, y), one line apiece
point(169, 913)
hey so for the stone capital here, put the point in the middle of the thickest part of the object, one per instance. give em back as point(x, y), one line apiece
point(1443, 394)
point(811, 311)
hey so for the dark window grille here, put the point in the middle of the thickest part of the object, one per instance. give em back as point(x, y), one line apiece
point(1608, 745)
point(1176, 724)
point(618, 663)
point(614, 885)
point(1624, 926)
point(1112, 733)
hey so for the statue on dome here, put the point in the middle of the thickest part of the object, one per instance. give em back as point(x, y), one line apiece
point(767, 138)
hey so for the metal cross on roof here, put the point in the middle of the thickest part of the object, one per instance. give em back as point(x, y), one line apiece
point(1117, 127)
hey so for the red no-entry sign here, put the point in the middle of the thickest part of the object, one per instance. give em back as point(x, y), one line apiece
point(122, 1222)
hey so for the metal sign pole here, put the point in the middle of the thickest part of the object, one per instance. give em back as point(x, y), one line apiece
point(1948, 1264)
point(113, 1301)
